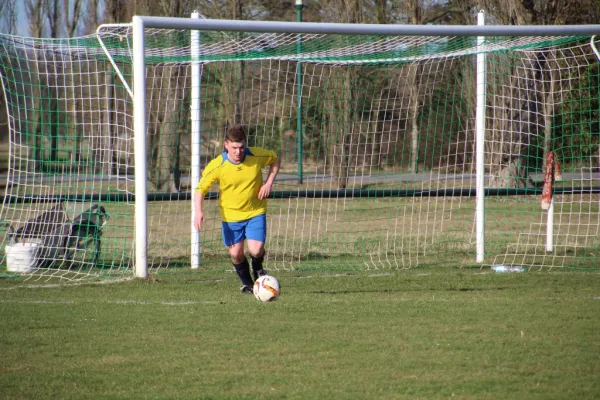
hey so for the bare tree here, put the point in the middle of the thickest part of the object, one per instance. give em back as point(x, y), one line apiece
point(8, 16)
point(417, 14)
point(171, 8)
point(534, 103)
point(54, 22)
point(169, 119)
point(53, 15)
point(232, 88)
point(8, 24)
point(72, 10)
point(91, 16)
point(118, 11)
point(340, 113)
point(34, 11)
point(414, 15)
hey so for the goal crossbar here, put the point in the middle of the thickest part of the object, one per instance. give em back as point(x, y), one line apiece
point(366, 29)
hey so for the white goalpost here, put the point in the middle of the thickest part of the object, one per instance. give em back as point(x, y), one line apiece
point(165, 23)
point(479, 143)
point(418, 145)
point(195, 113)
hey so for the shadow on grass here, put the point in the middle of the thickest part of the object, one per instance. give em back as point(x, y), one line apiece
point(465, 289)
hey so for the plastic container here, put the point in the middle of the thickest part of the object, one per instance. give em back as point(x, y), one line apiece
point(21, 257)
point(508, 268)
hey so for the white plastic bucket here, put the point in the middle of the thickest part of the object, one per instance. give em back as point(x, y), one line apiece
point(21, 257)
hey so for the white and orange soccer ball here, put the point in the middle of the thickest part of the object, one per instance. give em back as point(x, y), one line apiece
point(266, 288)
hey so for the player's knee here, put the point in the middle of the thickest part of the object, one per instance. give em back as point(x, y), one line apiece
point(237, 255)
point(257, 250)
point(237, 258)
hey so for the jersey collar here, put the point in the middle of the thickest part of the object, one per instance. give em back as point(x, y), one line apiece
point(247, 152)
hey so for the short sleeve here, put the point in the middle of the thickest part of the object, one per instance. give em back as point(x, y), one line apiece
point(210, 175)
point(267, 157)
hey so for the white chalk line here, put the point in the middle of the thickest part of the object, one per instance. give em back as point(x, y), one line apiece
point(116, 302)
point(63, 285)
point(69, 284)
point(435, 299)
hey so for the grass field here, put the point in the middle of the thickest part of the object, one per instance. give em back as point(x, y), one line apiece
point(349, 325)
point(420, 333)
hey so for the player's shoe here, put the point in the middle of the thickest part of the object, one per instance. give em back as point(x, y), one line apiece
point(246, 289)
point(259, 273)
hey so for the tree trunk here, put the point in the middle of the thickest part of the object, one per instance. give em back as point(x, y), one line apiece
point(75, 130)
point(34, 10)
point(518, 121)
point(549, 108)
point(413, 82)
point(340, 123)
point(107, 126)
point(164, 161)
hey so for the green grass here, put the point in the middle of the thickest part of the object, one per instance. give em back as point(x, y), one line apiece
point(421, 333)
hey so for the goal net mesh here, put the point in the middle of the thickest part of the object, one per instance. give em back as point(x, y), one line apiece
point(376, 136)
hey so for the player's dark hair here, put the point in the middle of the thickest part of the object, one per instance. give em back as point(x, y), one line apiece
point(236, 134)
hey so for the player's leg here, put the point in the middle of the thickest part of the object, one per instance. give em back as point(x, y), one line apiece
point(233, 238)
point(257, 255)
point(256, 234)
point(242, 268)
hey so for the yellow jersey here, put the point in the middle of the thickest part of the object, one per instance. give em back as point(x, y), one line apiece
point(239, 184)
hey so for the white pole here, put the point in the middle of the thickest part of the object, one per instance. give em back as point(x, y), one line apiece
point(196, 137)
point(369, 29)
point(550, 227)
point(139, 128)
point(479, 141)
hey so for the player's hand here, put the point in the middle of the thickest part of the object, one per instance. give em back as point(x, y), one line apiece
point(198, 220)
point(264, 191)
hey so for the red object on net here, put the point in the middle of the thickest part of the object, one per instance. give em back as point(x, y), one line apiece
point(551, 174)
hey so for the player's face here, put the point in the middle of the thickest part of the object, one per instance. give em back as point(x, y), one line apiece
point(235, 151)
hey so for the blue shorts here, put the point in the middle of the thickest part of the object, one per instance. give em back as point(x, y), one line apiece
point(254, 228)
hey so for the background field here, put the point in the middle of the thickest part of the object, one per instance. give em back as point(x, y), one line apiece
point(420, 333)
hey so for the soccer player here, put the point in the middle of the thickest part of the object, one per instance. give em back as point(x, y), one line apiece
point(242, 200)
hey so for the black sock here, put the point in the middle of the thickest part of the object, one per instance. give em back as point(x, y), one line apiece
point(243, 271)
point(257, 262)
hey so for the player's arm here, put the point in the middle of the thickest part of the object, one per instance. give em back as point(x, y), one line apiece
point(265, 190)
point(198, 213)
point(209, 176)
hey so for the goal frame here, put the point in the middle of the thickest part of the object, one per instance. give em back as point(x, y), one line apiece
point(196, 25)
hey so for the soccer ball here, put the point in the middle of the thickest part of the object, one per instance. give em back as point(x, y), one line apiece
point(266, 288)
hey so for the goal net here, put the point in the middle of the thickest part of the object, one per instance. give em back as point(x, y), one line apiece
point(376, 135)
